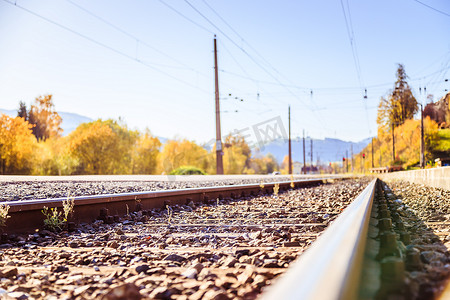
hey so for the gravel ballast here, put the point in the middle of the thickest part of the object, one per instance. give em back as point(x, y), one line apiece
point(425, 211)
point(225, 249)
point(36, 189)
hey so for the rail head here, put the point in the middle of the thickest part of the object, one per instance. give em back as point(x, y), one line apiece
point(331, 267)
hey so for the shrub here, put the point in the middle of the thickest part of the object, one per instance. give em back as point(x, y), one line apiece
point(187, 170)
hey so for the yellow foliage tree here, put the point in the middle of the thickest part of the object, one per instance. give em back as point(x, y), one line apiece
point(285, 165)
point(407, 146)
point(54, 158)
point(146, 154)
point(262, 165)
point(177, 153)
point(237, 154)
point(17, 144)
point(102, 147)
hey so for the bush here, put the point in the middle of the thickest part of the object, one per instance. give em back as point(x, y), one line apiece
point(187, 170)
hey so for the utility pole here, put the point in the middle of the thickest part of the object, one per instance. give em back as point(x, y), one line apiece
point(290, 150)
point(304, 154)
point(351, 154)
point(372, 154)
point(346, 158)
point(311, 155)
point(219, 153)
point(422, 141)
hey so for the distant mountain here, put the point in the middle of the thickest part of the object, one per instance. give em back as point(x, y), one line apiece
point(326, 150)
point(70, 121)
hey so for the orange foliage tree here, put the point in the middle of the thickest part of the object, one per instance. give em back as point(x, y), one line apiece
point(45, 119)
point(17, 144)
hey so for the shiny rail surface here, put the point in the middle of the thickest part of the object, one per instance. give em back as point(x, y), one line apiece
point(27, 215)
point(331, 267)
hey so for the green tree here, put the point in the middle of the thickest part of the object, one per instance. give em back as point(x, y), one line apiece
point(400, 104)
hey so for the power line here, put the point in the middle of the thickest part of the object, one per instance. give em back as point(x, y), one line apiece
point(104, 45)
point(256, 62)
point(185, 17)
point(138, 40)
point(351, 36)
point(243, 40)
point(242, 49)
point(435, 9)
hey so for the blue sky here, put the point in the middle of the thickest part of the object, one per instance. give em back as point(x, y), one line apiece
point(151, 62)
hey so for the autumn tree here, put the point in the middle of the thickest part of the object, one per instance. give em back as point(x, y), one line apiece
point(17, 145)
point(262, 165)
point(177, 153)
point(146, 154)
point(399, 106)
point(42, 115)
point(407, 146)
point(237, 155)
point(285, 165)
point(102, 147)
point(53, 157)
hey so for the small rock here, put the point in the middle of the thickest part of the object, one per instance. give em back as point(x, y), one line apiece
point(259, 280)
point(255, 235)
point(113, 244)
point(123, 292)
point(190, 273)
point(199, 267)
point(80, 290)
point(229, 262)
point(175, 257)
point(59, 269)
point(291, 244)
point(142, 268)
point(9, 272)
point(73, 244)
point(18, 295)
point(164, 292)
point(215, 295)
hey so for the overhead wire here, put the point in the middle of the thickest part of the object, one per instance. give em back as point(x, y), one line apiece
point(242, 49)
point(244, 41)
point(435, 9)
point(104, 45)
point(185, 17)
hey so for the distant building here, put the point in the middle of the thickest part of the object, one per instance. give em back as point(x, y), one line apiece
point(297, 167)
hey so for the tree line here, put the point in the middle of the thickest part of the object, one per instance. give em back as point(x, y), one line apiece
point(398, 128)
point(32, 144)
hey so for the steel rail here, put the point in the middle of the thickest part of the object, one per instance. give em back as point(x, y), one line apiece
point(331, 267)
point(27, 215)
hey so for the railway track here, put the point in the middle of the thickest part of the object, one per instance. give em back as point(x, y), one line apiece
point(27, 215)
point(228, 243)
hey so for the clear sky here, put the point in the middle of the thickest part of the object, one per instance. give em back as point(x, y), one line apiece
point(151, 62)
